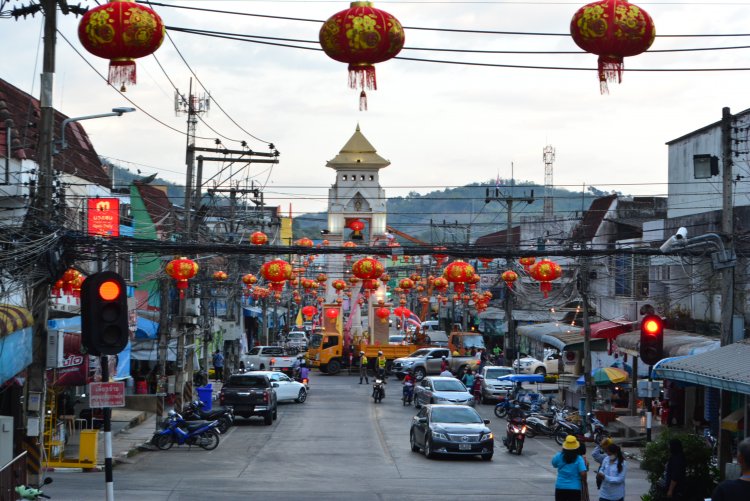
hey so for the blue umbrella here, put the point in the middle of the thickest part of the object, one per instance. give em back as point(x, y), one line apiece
point(523, 378)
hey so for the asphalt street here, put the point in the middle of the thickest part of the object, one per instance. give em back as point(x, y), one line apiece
point(337, 445)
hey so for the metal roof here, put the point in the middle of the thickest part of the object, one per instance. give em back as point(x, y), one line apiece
point(726, 368)
point(676, 343)
point(560, 336)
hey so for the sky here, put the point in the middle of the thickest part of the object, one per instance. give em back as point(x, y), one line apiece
point(440, 125)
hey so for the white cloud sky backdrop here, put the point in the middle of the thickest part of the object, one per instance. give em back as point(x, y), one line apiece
point(440, 125)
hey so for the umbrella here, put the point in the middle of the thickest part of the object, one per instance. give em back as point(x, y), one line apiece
point(523, 378)
point(606, 375)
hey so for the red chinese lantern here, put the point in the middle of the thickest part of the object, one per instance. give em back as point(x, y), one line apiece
point(220, 276)
point(509, 277)
point(406, 284)
point(440, 284)
point(258, 238)
point(383, 313)
point(527, 262)
point(182, 270)
point(439, 256)
point(356, 226)
point(276, 272)
point(304, 242)
point(486, 261)
point(613, 30)
point(545, 271)
point(249, 280)
point(322, 278)
point(362, 36)
point(367, 269)
point(309, 311)
point(121, 31)
point(474, 280)
point(458, 273)
point(332, 313)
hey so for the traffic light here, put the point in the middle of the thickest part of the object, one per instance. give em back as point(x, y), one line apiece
point(652, 339)
point(104, 314)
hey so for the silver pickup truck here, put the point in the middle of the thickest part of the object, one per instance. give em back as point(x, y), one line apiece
point(427, 362)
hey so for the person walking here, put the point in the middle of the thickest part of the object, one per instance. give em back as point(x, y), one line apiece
point(675, 471)
point(571, 471)
point(363, 368)
point(218, 361)
point(443, 364)
point(738, 489)
point(611, 475)
point(468, 379)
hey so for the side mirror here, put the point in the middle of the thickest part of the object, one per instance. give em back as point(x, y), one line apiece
point(422, 420)
point(275, 385)
point(486, 421)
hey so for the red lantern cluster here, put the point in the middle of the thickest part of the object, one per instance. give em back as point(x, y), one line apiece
point(70, 283)
point(182, 269)
point(362, 36)
point(276, 272)
point(458, 273)
point(121, 31)
point(613, 30)
point(258, 238)
point(440, 284)
point(545, 271)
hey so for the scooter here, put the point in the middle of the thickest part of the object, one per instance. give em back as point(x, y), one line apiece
point(176, 430)
point(408, 395)
point(224, 414)
point(515, 435)
point(28, 492)
point(378, 390)
point(598, 430)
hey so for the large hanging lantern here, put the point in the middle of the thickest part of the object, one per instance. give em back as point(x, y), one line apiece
point(121, 31)
point(458, 273)
point(440, 284)
point(258, 238)
point(304, 242)
point(613, 30)
point(309, 311)
point(362, 36)
point(406, 284)
point(338, 285)
point(332, 313)
point(545, 271)
point(367, 269)
point(182, 269)
point(276, 272)
point(383, 313)
point(509, 277)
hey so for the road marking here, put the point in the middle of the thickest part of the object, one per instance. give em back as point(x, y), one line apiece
point(375, 417)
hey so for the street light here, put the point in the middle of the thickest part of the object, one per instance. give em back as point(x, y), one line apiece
point(116, 112)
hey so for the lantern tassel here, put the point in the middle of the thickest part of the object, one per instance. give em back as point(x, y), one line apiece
point(610, 70)
point(121, 72)
point(362, 76)
point(362, 107)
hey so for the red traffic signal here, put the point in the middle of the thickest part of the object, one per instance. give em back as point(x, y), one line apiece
point(652, 339)
point(104, 314)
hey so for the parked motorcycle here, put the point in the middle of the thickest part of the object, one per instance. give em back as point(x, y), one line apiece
point(542, 424)
point(175, 430)
point(515, 435)
point(408, 393)
point(29, 492)
point(598, 430)
point(378, 390)
point(565, 428)
point(224, 414)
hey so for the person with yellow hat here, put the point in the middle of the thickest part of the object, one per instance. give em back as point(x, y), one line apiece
point(571, 471)
point(600, 451)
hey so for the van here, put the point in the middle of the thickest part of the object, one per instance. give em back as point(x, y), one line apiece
point(438, 337)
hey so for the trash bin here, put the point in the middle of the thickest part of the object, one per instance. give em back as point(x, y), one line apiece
point(205, 396)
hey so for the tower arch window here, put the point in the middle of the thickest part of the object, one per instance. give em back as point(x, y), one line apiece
point(362, 177)
point(372, 178)
point(343, 178)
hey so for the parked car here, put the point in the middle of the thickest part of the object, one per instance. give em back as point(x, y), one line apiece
point(493, 388)
point(396, 339)
point(251, 394)
point(442, 390)
point(530, 365)
point(451, 429)
point(287, 389)
point(296, 341)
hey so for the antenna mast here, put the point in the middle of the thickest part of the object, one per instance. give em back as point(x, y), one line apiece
point(549, 160)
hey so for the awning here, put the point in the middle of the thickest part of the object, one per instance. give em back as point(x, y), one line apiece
point(564, 337)
point(146, 329)
point(724, 368)
point(252, 311)
point(13, 318)
point(492, 313)
point(610, 329)
point(676, 343)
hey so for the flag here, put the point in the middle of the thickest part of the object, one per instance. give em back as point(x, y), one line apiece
point(298, 322)
point(340, 322)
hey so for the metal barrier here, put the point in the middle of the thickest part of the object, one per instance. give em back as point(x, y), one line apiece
point(12, 475)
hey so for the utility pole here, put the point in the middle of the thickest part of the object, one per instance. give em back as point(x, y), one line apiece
point(583, 289)
point(164, 332)
point(727, 278)
point(507, 200)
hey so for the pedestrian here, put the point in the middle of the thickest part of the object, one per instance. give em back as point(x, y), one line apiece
point(468, 378)
point(571, 471)
point(600, 451)
point(443, 364)
point(675, 472)
point(381, 366)
point(738, 489)
point(611, 475)
point(218, 361)
point(476, 389)
point(363, 368)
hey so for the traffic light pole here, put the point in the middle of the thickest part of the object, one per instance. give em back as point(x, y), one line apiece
point(108, 480)
point(649, 404)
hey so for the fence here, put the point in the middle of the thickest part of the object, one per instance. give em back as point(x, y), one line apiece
point(12, 474)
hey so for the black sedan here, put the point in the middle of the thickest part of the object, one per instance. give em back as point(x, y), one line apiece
point(451, 429)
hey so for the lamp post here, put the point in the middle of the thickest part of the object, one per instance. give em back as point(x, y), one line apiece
point(63, 144)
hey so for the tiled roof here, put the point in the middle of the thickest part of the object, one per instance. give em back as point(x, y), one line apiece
point(79, 159)
point(499, 238)
point(592, 218)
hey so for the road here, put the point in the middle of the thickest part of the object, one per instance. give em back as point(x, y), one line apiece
point(338, 445)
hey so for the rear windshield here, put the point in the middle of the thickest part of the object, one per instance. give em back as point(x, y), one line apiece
point(258, 382)
point(496, 373)
point(297, 335)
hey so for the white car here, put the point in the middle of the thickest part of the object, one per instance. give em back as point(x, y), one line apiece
point(297, 340)
point(287, 389)
point(492, 387)
point(442, 390)
point(530, 365)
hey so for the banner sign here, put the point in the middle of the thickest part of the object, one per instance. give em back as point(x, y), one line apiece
point(104, 217)
point(106, 395)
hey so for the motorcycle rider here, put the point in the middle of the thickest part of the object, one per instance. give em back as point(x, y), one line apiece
point(409, 382)
point(304, 372)
point(443, 363)
point(516, 416)
point(295, 366)
point(363, 368)
point(381, 366)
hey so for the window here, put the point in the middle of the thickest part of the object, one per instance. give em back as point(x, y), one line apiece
point(329, 342)
point(372, 178)
point(362, 177)
point(254, 351)
point(631, 276)
point(343, 178)
point(248, 382)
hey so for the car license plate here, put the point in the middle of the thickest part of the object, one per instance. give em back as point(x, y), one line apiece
point(464, 447)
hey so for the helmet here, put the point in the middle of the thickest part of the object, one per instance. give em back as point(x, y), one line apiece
point(444, 357)
point(380, 353)
point(361, 352)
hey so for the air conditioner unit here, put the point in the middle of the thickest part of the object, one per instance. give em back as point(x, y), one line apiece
point(54, 349)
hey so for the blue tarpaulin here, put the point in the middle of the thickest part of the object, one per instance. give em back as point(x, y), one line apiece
point(146, 329)
point(523, 378)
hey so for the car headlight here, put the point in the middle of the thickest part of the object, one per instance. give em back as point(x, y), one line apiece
point(441, 436)
point(406, 363)
point(487, 436)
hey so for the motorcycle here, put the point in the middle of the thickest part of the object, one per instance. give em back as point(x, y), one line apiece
point(541, 424)
point(565, 428)
point(176, 430)
point(515, 435)
point(598, 430)
point(29, 492)
point(224, 414)
point(303, 380)
point(378, 390)
point(408, 393)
